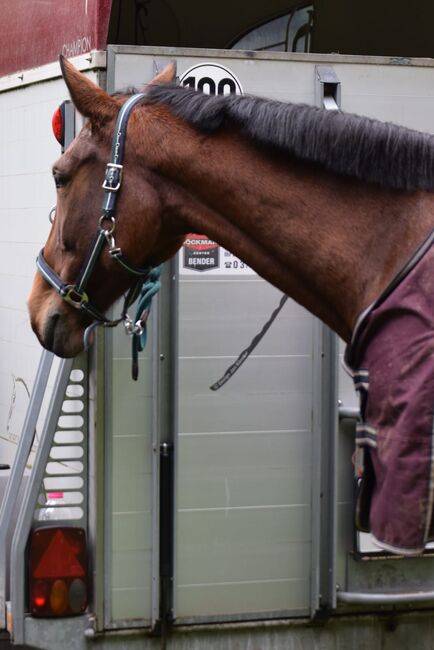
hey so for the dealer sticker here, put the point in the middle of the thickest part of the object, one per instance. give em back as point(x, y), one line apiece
point(200, 253)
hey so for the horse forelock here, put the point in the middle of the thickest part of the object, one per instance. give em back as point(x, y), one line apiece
point(371, 151)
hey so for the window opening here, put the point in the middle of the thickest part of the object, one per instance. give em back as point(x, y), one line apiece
point(289, 33)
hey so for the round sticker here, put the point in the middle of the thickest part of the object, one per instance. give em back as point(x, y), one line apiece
point(211, 79)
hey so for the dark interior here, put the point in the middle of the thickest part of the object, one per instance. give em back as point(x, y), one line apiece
point(366, 27)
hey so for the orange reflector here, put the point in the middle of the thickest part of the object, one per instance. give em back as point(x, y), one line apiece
point(59, 597)
point(58, 571)
point(58, 124)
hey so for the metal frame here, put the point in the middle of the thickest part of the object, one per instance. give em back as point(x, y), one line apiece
point(155, 433)
point(324, 481)
point(25, 518)
point(96, 475)
point(107, 435)
point(166, 409)
point(19, 466)
point(384, 598)
point(162, 52)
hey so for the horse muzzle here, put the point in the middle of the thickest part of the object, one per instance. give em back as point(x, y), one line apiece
point(58, 328)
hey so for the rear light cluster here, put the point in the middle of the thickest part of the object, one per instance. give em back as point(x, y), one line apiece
point(58, 572)
point(58, 123)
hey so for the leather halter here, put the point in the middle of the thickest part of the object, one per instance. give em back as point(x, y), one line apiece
point(75, 294)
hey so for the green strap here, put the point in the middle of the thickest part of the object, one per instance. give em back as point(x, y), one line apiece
point(150, 287)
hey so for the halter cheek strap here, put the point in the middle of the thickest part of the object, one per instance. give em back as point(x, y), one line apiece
point(146, 278)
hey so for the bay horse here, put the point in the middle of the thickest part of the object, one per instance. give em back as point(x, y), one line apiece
point(326, 206)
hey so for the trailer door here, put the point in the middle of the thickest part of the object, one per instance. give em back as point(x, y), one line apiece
point(262, 524)
point(247, 462)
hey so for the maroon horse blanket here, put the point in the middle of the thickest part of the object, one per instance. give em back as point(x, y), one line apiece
point(391, 359)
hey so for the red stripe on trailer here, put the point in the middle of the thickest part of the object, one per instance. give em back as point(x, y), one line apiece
point(35, 33)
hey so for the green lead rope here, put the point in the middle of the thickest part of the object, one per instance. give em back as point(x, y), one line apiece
point(150, 287)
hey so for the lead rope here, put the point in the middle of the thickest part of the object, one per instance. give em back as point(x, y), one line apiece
point(139, 329)
point(139, 332)
point(249, 349)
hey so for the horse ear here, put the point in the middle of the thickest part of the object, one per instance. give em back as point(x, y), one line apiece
point(166, 76)
point(88, 98)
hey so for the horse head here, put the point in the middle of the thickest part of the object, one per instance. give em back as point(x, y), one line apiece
point(78, 175)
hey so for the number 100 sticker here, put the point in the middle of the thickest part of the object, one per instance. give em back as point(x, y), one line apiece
point(212, 79)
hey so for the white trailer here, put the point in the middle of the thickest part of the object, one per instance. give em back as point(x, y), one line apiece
point(212, 519)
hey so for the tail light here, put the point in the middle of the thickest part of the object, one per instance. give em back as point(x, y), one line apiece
point(58, 123)
point(58, 572)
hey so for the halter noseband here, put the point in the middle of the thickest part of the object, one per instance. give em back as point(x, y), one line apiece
point(75, 294)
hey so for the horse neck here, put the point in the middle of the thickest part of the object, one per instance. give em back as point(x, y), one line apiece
point(331, 243)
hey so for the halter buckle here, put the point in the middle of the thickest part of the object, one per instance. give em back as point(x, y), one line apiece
point(113, 177)
point(74, 297)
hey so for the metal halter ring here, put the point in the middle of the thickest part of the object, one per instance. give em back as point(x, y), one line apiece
point(52, 214)
point(107, 231)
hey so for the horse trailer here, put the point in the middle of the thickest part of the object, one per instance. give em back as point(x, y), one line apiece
point(178, 516)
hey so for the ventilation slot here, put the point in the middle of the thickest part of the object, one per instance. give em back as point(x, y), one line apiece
point(63, 488)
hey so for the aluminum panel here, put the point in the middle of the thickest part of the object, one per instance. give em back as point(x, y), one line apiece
point(236, 316)
point(130, 479)
point(244, 508)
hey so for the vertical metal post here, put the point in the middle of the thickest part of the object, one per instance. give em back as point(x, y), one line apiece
point(24, 522)
point(157, 359)
point(19, 466)
point(166, 463)
point(166, 533)
point(328, 96)
point(97, 380)
point(328, 501)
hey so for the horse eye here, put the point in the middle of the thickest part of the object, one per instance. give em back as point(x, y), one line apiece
point(59, 180)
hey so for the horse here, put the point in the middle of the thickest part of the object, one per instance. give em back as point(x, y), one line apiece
point(327, 206)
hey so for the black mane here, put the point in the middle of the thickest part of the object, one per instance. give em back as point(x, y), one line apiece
point(371, 151)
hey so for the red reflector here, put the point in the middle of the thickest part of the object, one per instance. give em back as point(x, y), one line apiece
point(60, 557)
point(57, 123)
point(58, 571)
